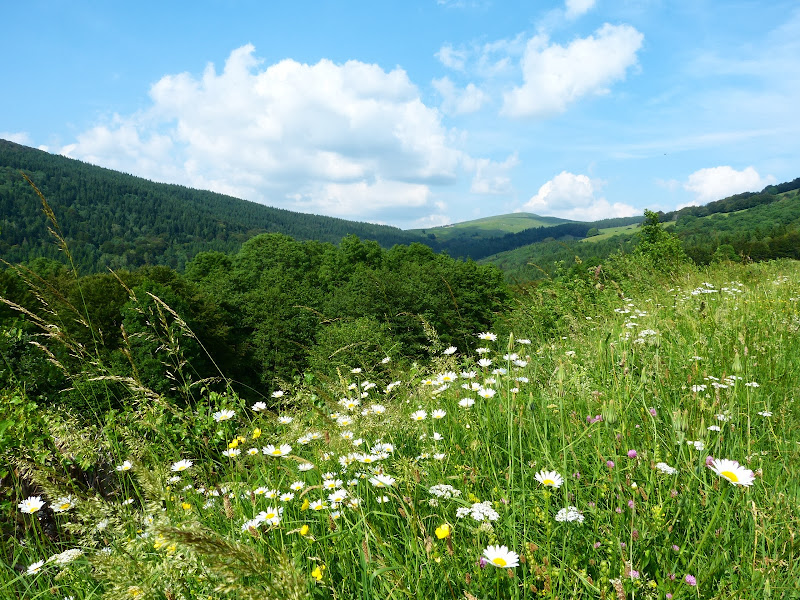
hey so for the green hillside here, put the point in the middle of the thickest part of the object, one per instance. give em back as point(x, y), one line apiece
point(115, 220)
point(489, 227)
point(743, 227)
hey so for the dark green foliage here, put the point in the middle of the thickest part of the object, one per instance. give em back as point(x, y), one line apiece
point(114, 220)
point(662, 249)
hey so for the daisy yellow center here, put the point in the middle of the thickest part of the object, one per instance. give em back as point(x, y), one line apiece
point(276, 452)
point(319, 507)
point(270, 515)
point(499, 561)
point(65, 506)
point(548, 482)
point(730, 476)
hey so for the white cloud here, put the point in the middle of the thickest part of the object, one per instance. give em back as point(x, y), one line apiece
point(716, 183)
point(576, 8)
point(555, 76)
point(459, 102)
point(492, 177)
point(340, 139)
point(571, 196)
point(452, 58)
point(18, 137)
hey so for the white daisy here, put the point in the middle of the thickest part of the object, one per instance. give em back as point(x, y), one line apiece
point(732, 471)
point(549, 479)
point(501, 556)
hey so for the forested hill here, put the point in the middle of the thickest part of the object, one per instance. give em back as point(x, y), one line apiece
point(111, 219)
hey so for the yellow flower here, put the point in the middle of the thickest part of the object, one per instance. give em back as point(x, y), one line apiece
point(305, 505)
point(256, 433)
point(317, 572)
point(186, 506)
point(304, 530)
point(234, 443)
point(443, 531)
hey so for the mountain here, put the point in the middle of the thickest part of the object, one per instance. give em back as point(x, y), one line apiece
point(489, 227)
point(751, 226)
point(114, 220)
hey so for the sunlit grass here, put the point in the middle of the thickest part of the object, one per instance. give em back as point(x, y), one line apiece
point(590, 465)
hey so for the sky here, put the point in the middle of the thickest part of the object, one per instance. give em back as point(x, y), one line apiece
point(416, 113)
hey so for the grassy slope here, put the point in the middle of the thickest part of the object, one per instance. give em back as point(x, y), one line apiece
point(632, 357)
point(489, 227)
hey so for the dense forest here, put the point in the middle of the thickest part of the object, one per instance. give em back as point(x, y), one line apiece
point(741, 228)
point(113, 220)
point(265, 314)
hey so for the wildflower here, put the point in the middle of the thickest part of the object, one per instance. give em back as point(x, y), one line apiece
point(752, 384)
point(501, 556)
point(765, 413)
point(318, 505)
point(317, 572)
point(377, 409)
point(272, 450)
point(610, 464)
point(284, 420)
point(332, 484)
point(63, 504)
point(438, 413)
point(277, 394)
point(181, 465)
point(439, 456)
point(31, 504)
point(231, 452)
point(223, 415)
point(466, 402)
point(443, 490)
point(337, 497)
point(443, 531)
point(485, 362)
point(272, 516)
point(382, 481)
point(419, 415)
point(713, 428)
point(382, 499)
point(690, 580)
point(486, 335)
point(125, 466)
point(450, 350)
point(632, 454)
point(259, 406)
point(569, 514)
point(665, 468)
point(549, 479)
point(287, 497)
point(486, 393)
point(732, 471)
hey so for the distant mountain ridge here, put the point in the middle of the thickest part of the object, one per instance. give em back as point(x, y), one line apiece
point(119, 221)
point(115, 220)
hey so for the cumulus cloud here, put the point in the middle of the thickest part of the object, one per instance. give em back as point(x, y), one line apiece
point(555, 76)
point(341, 139)
point(575, 197)
point(452, 58)
point(493, 177)
point(459, 102)
point(719, 182)
point(576, 8)
point(18, 137)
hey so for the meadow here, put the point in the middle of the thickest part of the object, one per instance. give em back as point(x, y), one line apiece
point(644, 446)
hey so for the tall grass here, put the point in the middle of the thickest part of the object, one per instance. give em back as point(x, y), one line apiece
point(413, 482)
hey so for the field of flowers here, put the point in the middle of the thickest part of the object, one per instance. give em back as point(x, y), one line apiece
point(649, 452)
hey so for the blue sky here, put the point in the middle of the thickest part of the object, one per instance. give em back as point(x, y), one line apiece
point(416, 113)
